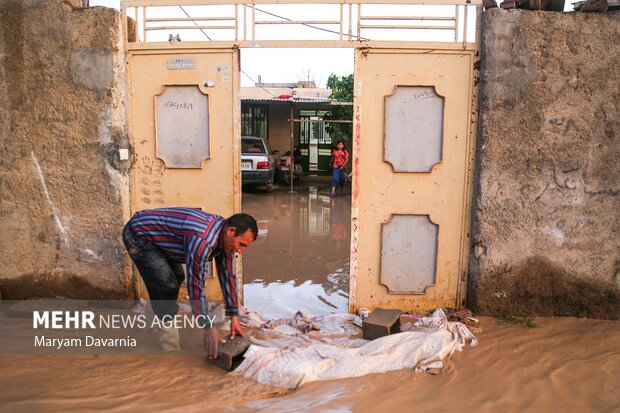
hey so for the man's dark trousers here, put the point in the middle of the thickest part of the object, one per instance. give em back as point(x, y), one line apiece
point(161, 277)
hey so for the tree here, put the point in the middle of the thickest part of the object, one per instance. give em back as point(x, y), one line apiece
point(342, 91)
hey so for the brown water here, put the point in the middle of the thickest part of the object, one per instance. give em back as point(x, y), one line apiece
point(300, 260)
point(564, 365)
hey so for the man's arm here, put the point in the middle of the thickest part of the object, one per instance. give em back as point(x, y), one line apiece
point(228, 282)
point(196, 253)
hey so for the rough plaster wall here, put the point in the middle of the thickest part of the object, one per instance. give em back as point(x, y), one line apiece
point(62, 122)
point(546, 221)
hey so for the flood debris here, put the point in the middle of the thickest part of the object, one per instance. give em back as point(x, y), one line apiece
point(425, 346)
point(300, 322)
point(545, 5)
point(596, 5)
point(465, 316)
point(527, 321)
point(381, 322)
point(554, 5)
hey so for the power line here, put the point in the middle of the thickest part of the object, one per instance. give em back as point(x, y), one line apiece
point(203, 32)
point(256, 84)
point(273, 15)
point(194, 21)
point(302, 24)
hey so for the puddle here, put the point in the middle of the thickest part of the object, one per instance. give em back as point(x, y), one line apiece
point(300, 260)
point(283, 300)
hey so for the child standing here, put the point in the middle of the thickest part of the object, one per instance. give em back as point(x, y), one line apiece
point(339, 160)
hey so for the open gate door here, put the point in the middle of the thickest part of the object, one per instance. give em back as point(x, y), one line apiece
point(415, 119)
point(185, 131)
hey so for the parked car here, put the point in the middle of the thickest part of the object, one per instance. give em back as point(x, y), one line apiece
point(257, 162)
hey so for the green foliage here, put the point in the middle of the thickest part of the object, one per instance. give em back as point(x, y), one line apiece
point(342, 87)
point(527, 321)
point(342, 91)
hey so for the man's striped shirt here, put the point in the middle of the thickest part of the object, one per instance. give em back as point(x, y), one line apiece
point(193, 237)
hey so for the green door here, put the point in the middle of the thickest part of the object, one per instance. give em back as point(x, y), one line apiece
point(315, 142)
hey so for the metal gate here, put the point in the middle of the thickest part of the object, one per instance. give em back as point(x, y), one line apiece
point(412, 165)
point(415, 116)
point(185, 143)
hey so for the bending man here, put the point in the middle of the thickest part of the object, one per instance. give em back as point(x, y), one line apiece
point(160, 240)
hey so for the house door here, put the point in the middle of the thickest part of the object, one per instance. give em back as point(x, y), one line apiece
point(185, 129)
point(414, 129)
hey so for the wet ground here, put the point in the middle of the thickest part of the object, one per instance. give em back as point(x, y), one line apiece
point(300, 260)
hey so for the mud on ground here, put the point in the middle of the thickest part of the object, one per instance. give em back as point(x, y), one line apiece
point(538, 287)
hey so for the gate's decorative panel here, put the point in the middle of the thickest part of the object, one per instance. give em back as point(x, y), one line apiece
point(409, 254)
point(413, 128)
point(182, 132)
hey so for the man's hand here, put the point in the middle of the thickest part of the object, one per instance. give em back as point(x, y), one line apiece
point(235, 327)
point(210, 342)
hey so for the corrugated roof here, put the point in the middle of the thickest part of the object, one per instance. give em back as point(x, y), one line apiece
point(292, 99)
point(278, 93)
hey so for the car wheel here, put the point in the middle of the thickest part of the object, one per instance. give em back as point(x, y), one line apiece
point(269, 187)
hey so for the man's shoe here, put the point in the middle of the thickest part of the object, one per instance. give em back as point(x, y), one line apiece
point(149, 316)
point(169, 338)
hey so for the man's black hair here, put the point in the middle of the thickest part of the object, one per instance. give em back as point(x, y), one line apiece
point(243, 222)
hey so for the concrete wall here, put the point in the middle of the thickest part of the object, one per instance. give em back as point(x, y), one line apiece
point(547, 210)
point(63, 188)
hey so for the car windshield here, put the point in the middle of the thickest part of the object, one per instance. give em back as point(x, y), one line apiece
point(252, 146)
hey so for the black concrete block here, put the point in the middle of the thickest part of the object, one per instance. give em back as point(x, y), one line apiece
point(230, 354)
point(381, 322)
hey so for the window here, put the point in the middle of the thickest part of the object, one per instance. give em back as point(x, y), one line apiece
point(254, 120)
point(252, 146)
point(313, 132)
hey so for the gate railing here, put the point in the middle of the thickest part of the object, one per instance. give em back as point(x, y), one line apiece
point(338, 22)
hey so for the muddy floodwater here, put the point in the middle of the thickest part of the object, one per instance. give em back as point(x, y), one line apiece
point(563, 365)
point(300, 262)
